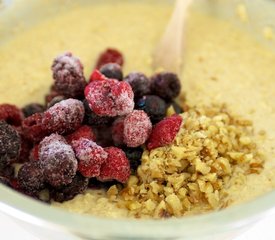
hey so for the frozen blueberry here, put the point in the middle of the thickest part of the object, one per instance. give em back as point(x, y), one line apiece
point(112, 70)
point(134, 155)
point(32, 108)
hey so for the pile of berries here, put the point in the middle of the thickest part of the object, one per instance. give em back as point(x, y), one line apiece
point(94, 129)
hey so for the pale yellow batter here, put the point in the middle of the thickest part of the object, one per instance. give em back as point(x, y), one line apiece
point(222, 64)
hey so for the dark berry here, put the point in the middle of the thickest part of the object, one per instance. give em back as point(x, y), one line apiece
point(7, 172)
point(164, 132)
point(154, 106)
point(33, 128)
point(93, 119)
point(118, 131)
point(110, 97)
point(90, 157)
point(139, 83)
point(10, 143)
point(64, 117)
point(68, 192)
point(96, 75)
point(55, 100)
point(104, 136)
point(68, 75)
point(116, 167)
point(32, 108)
point(11, 114)
point(5, 181)
point(110, 55)
point(137, 128)
point(165, 85)
point(58, 160)
point(112, 70)
point(134, 155)
point(83, 132)
point(176, 107)
point(31, 177)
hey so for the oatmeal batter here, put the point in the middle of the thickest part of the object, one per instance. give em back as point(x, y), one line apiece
point(222, 64)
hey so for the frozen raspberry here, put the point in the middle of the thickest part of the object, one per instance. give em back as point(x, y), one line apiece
point(117, 131)
point(110, 97)
point(58, 160)
point(66, 193)
point(134, 155)
point(32, 108)
point(139, 83)
point(68, 75)
point(137, 128)
point(154, 106)
point(90, 157)
point(93, 119)
point(110, 55)
point(83, 132)
point(11, 114)
point(10, 143)
point(64, 117)
point(31, 177)
point(166, 85)
point(34, 153)
point(97, 76)
point(33, 128)
point(112, 70)
point(164, 132)
point(116, 167)
point(55, 100)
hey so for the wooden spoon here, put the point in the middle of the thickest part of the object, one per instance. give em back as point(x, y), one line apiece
point(168, 53)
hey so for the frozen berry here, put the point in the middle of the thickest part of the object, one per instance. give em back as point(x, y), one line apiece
point(34, 153)
point(110, 55)
point(55, 100)
point(166, 85)
point(11, 114)
point(137, 128)
point(110, 97)
point(26, 146)
point(93, 119)
point(5, 181)
point(112, 70)
point(164, 132)
point(31, 177)
point(154, 106)
point(104, 136)
point(10, 143)
point(97, 76)
point(134, 155)
point(83, 132)
point(7, 172)
point(176, 107)
point(58, 160)
point(64, 117)
point(116, 167)
point(68, 192)
point(32, 108)
point(68, 75)
point(117, 131)
point(33, 128)
point(90, 157)
point(139, 83)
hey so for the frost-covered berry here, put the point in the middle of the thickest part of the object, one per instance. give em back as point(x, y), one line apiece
point(165, 85)
point(83, 132)
point(11, 114)
point(110, 97)
point(90, 157)
point(137, 128)
point(110, 55)
point(116, 167)
point(68, 75)
point(112, 70)
point(57, 160)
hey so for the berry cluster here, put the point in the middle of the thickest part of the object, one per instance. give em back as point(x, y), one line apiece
point(86, 130)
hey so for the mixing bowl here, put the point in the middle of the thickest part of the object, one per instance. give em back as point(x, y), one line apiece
point(256, 17)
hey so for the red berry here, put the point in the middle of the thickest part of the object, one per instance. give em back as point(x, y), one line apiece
point(64, 117)
point(97, 76)
point(82, 132)
point(117, 131)
point(11, 114)
point(68, 75)
point(26, 146)
point(34, 153)
point(110, 55)
point(137, 128)
point(90, 157)
point(57, 160)
point(33, 128)
point(164, 132)
point(116, 167)
point(110, 97)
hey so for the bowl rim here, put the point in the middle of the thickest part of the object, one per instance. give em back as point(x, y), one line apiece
point(26, 209)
